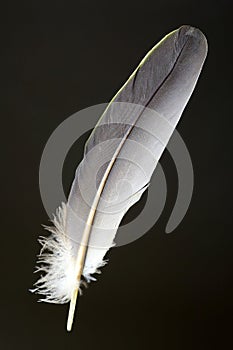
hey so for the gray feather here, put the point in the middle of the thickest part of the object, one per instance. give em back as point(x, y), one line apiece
point(134, 131)
point(119, 159)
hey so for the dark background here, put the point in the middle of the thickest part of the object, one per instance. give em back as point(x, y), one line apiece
point(162, 291)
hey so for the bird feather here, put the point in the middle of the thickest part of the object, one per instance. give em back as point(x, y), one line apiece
point(119, 159)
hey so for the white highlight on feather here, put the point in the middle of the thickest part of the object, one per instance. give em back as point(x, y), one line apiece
point(56, 261)
point(59, 282)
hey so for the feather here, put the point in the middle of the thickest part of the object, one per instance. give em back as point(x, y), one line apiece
point(119, 159)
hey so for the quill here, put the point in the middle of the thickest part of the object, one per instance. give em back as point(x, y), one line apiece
point(119, 159)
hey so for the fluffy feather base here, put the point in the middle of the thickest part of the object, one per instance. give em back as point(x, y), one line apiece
point(57, 264)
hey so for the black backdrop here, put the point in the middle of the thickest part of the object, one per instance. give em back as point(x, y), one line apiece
point(162, 291)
